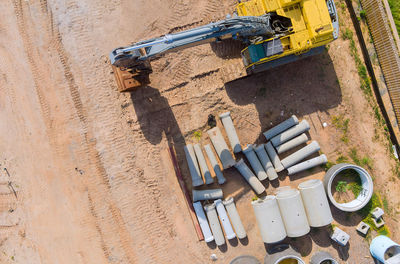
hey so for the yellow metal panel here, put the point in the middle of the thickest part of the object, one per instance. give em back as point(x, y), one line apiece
point(271, 5)
point(251, 8)
point(294, 13)
point(317, 16)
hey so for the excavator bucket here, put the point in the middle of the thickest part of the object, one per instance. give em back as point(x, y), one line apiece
point(131, 79)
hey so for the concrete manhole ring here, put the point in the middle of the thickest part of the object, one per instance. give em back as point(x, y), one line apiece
point(365, 194)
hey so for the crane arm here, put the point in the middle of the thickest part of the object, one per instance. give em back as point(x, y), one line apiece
point(243, 28)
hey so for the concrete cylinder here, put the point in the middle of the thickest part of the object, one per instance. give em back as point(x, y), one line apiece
point(274, 157)
point(221, 148)
point(214, 164)
point(203, 164)
point(235, 218)
point(193, 166)
point(285, 125)
point(214, 224)
point(383, 248)
point(305, 165)
point(211, 194)
point(315, 203)
point(223, 217)
point(287, 135)
point(230, 131)
point(205, 228)
point(293, 213)
point(269, 219)
point(255, 163)
point(266, 162)
point(301, 154)
point(249, 176)
point(297, 141)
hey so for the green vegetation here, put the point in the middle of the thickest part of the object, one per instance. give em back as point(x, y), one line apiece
point(365, 213)
point(365, 161)
point(395, 8)
point(342, 124)
point(341, 186)
point(197, 135)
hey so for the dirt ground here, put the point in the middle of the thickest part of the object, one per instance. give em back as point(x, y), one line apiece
point(92, 178)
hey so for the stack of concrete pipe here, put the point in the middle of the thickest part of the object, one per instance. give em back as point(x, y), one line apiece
point(288, 135)
point(292, 212)
point(221, 215)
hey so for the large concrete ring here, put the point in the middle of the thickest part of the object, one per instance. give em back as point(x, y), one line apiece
point(289, 255)
point(322, 257)
point(365, 194)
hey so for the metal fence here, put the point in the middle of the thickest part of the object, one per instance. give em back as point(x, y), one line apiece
point(385, 48)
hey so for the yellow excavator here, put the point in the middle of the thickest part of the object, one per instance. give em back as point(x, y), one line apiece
point(275, 32)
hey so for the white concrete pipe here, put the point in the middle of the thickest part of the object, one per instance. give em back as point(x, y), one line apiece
point(223, 217)
point(274, 157)
point(269, 219)
point(266, 162)
point(287, 135)
point(235, 218)
point(214, 164)
point(210, 194)
point(214, 224)
point(205, 228)
point(293, 213)
point(221, 148)
point(230, 131)
point(305, 165)
point(316, 203)
point(255, 163)
point(301, 154)
point(297, 141)
point(285, 125)
point(193, 166)
point(249, 176)
point(203, 164)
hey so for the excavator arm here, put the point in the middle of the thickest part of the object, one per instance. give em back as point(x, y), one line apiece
point(132, 63)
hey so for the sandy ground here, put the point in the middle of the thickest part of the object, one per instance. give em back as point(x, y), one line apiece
point(93, 181)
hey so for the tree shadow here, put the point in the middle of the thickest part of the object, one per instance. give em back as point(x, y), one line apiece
point(303, 87)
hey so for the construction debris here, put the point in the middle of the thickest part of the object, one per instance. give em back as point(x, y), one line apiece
point(363, 228)
point(341, 237)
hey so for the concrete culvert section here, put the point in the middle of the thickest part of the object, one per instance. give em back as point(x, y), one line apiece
point(364, 194)
point(322, 257)
point(288, 256)
point(315, 202)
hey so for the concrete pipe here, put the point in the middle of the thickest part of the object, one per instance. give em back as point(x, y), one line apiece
point(211, 194)
point(203, 164)
point(288, 256)
point(214, 164)
point(269, 219)
point(221, 148)
point(274, 157)
point(285, 125)
point(235, 218)
point(316, 203)
point(193, 166)
point(249, 176)
point(245, 259)
point(266, 162)
point(305, 165)
point(297, 141)
point(287, 135)
point(322, 257)
point(301, 154)
point(366, 182)
point(223, 217)
point(214, 224)
point(205, 228)
point(255, 163)
point(293, 213)
point(385, 250)
point(231, 131)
